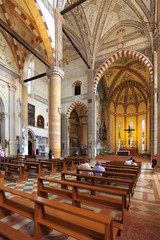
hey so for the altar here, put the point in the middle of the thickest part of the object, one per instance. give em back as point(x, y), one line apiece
point(132, 151)
point(123, 153)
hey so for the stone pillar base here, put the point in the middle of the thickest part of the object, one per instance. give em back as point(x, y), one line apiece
point(157, 169)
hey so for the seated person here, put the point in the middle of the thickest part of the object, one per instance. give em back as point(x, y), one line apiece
point(128, 162)
point(98, 167)
point(2, 153)
point(85, 165)
point(134, 162)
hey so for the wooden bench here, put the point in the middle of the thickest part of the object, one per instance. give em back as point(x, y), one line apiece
point(11, 170)
point(118, 165)
point(1, 179)
point(49, 214)
point(123, 170)
point(113, 174)
point(78, 197)
point(73, 161)
point(101, 182)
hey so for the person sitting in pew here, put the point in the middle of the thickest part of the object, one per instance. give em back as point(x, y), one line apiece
point(134, 162)
point(128, 162)
point(98, 167)
point(85, 165)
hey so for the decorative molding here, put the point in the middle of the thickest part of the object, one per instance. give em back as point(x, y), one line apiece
point(40, 99)
point(55, 71)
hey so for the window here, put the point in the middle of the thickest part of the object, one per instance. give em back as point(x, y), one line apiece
point(77, 90)
point(131, 134)
point(29, 74)
point(119, 135)
point(143, 128)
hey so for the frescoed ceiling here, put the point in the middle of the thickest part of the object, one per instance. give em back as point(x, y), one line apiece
point(98, 30)
point(24, 18)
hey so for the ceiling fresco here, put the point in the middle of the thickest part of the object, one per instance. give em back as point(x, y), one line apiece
point(109, 26)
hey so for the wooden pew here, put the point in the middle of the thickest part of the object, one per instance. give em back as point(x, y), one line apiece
point(73, 161)
point(119, 165)
point(123, 170)
point(48, 214)
point(77, 197)
point(33, 168)
point(113, 174)
point(101, 182)
point(1, 179)
point(12, 169)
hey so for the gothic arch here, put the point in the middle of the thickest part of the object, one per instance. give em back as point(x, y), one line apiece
point(73, 106)
point(122, 53)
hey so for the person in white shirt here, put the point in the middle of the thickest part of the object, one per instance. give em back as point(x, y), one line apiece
point(128, 162)
point(85, 165)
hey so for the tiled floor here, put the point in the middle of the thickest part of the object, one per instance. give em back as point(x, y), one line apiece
point(142, 221)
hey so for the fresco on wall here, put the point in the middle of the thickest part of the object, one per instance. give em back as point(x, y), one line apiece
point(31, 114)
point(101, 125)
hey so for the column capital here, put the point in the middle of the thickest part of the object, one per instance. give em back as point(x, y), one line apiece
point(55, 71)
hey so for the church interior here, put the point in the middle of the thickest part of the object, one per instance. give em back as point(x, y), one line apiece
point(79, 79)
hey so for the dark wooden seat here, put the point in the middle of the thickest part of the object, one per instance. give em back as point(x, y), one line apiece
point(49, 214)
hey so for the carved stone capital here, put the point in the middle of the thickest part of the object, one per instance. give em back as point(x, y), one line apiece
point(55, 71)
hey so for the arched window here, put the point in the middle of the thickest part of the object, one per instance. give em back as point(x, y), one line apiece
point(40, 121)
point(77, 87)
point(77, 90)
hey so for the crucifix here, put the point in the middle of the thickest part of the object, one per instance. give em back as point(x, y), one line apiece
point(130, 131)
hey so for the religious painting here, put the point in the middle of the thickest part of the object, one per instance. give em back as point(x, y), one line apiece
point(40, 121)
point(31, 114)
point(101, 125)
point(74, 142)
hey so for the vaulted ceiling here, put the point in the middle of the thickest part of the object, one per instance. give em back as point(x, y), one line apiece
point(100, 29)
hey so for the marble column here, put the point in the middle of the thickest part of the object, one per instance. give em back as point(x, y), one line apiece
point(12, 146)
point(91, 117)
point(55, 75)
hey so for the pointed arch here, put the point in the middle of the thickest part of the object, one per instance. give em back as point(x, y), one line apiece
point(122, 53)
point(77, 103)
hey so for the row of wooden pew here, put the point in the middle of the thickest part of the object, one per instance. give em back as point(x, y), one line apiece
point(78, 223)
point(19, 169)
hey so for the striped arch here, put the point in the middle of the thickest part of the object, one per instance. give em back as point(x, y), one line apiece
point(122, 53)
point(70, 109)
point(76, 83)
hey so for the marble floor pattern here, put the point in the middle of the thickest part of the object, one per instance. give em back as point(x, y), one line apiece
point(142, 221)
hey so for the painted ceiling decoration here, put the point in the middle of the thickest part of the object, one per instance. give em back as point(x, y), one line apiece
point(25, 19)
